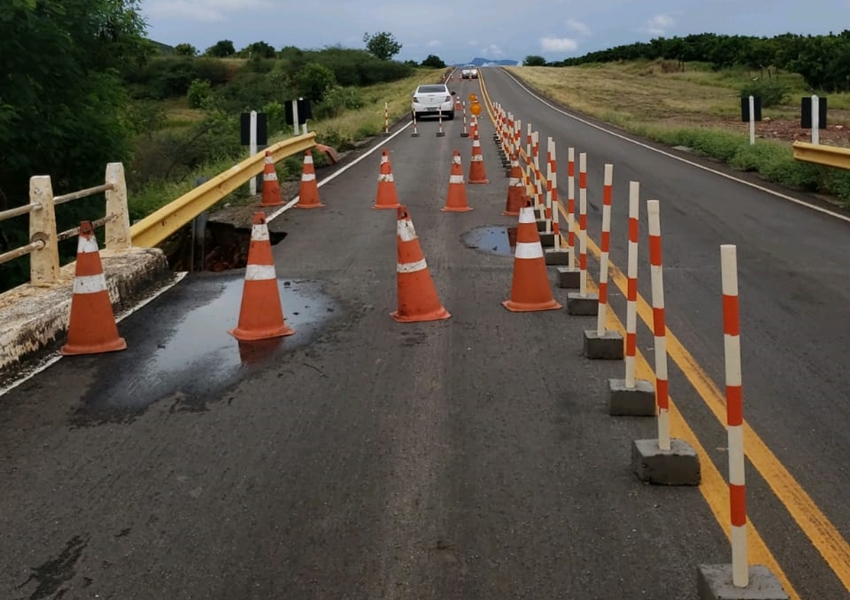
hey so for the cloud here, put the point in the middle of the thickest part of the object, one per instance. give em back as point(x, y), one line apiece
point(492, 51)
point(553, 44)
point(659, 24)
point(202, 10)
point(434, 43)
point(578, 26)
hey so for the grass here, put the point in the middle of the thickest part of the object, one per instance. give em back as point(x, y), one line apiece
point(698, 108)
point(339, 132)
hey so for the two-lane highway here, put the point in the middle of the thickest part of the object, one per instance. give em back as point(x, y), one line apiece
point(468, 459)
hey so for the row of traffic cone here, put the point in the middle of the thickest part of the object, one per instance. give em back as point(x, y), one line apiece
point(308, 193)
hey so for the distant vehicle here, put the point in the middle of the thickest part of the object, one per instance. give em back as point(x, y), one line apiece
point(433, 99)
point(469, 72)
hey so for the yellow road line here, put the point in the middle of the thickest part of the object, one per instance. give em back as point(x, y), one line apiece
point(816, 526)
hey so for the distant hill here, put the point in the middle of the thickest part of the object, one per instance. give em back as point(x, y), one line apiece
point(481, 62)
point(162, 48)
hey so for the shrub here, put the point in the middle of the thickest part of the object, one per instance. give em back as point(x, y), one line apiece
point(314, 81)
point(771, 92)
point(199, 92)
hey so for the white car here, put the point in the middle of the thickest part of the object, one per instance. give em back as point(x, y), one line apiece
point(433, 99)
point(469, 72)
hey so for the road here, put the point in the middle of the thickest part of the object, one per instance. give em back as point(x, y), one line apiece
point(470, 458)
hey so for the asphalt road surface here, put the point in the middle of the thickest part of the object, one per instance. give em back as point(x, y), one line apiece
point(471, 458)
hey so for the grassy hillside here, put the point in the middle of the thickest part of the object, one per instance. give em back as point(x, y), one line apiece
point(700, 108)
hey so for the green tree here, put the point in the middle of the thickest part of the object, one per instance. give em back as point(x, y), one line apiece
point(314, 81)
point(221, 49)
point(382, 45)
point(435, 62)
point(258, 50)
point(186, 50)
point(534, 61)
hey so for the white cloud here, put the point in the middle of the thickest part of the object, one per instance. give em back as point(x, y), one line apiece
point(578, 26)
point(659, 24)
point(202, 10)
point(434, 43)
point(492, 51)
point(473, 43)
point(553, 44)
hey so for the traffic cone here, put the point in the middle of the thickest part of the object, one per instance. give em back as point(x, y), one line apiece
point(476, 165)
point(261, 313)
point(308, 195)
point(91, 324)
point(271, 186)
point(417, 296)
point(530, 290)
point(456, 198)
point(516, 190)
point(387, 195)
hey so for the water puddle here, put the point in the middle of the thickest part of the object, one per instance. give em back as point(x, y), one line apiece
point(499, 240)
point(181, 349)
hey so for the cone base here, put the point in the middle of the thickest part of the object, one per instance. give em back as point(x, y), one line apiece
point(244, 335)
point(531, 306)
point(479, 181)
point(510, 214)
point(317, 205)
point(385, 206)
point(437, 315)
point(271, 204)
point(456, 208)
point(76, 349)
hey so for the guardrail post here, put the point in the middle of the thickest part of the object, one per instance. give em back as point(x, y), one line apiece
point(44, 262)
point(118, 237)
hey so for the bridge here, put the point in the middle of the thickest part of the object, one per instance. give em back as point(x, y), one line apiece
point(475, 456)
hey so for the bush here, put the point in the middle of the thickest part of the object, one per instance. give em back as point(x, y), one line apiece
point(771, 92)
point(337, 100)
point(314, 81)
point(199, 92)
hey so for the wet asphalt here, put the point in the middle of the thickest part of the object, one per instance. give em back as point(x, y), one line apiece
point(471, 458)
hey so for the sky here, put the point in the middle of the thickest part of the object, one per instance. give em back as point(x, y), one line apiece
point(458, 31)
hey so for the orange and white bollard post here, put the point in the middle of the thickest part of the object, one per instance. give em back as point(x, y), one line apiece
point(440, 132)
point(415, 128)
point(601, 343)
point(386, 118)
point(464, 133)
point(582, 303)
point(664, 461)
point(555, 255)
point(568, 277)
point(630, 397)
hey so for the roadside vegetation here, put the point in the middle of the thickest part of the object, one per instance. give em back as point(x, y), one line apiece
point(84, 86)
point(687, 92)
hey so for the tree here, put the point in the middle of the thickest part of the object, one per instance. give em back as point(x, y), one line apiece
point(534, 61)
point(258, 50)
point(221, 49)
point(435, 62)
point(382, 45)
point(314, 81)
point(186, 50)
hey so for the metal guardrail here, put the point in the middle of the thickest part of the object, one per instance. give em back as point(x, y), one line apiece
point(44, 239)
point(828, 156)
point(120, 236)
point(163, 223)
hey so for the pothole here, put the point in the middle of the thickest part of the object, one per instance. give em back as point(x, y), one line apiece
point(213, 246)
point(499, 240)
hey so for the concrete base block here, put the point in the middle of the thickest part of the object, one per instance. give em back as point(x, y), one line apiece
point(415, 134)
point(541, 225)
point(569, 279)
point(441, 134)
point(608, 346)
point(714, 582)
point(677, 466)
point(638, 401)
point(583, 307)
point(556, 257)
point(547, 240)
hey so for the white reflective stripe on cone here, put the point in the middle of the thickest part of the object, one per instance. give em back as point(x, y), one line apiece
point(259, 233)
point(477, 158)
point(419, 265)
point(308, 160)
point(308, 176)
point(269, 176)
point(513, 181)
point(388, 177)
point(406, 231)
point(86, 245)
point(90, 284)
point(456, 160)
point(529, 250)
point(526, 215)
point(455, 178)
point(259, 272)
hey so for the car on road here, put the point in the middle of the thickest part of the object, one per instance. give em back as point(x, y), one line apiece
point(469, 72)
point(433, 99)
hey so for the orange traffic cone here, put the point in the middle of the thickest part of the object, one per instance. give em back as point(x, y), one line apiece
point(308, 195)
point(261, 313)
point(417, 296)
point(91, 325)
point(516, 190)
point(271, 186)
point(531, 290)
point(387, 195)
point(476, 165)
point(456, 198)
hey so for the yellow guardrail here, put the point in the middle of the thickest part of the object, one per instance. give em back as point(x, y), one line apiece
point(828, 156)
point(163, 223)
